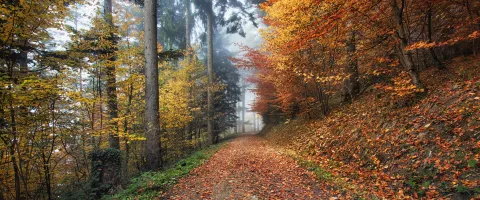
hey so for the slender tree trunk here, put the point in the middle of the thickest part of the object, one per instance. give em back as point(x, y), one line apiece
point(125, 121)
point(254, 122)
point(210, 21)
point(152, 118)
point(13, 146)
point(244, 91)
point(47, 159)
point(402, 55)
point(111, 81)
point(352, 84)
point(236, 119)
point(188, 29)
point(100, 104)
point(92, 121)
point(23, 112)
point(16, 172)
point(46, 171)
point(436, 59)
point(14, 142)
point(23, 62)
point(125, 127)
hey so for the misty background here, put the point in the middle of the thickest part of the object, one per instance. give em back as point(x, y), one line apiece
point(227, 42)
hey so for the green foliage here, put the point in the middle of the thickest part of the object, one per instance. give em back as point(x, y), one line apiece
point(74, 190)
point(462, 189)
point(227, 96)
point(472, 163)
point(152, 184)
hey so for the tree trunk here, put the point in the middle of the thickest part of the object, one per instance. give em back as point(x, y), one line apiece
point(152, 118)
point(210, 113)
point(254, 122)
point(23, 62)
point(188, 28)
point(125, 121)
point(125, 127)
point(13, 146)
point(237, 124)
point(111, 81)
point(46, 171)
point(402, 55)
point(188, 31)
point(46, 159)
point(436, 60)
point(14, 142)
point(236, 121)
point(352, 84)
point(244, 91)
point(16, 171)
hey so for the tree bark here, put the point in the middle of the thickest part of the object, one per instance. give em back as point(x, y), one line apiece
point(210, 21)
point(152, 118)
point(13, 146)
point(352, 84)
point(436, 59)
point(188, 31)
point(125, 121)
point(244, 91)
point(236, 119)
point(402, 55)
point(125, 126)
point(254, 122)
point(112, 101)
point(188, 28)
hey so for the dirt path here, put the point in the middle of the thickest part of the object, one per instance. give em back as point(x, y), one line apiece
point(248, 168)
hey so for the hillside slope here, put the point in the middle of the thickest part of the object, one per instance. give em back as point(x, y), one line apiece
point(376, 148)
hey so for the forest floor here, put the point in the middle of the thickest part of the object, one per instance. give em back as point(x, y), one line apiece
point(248, 167)
point(385, 146)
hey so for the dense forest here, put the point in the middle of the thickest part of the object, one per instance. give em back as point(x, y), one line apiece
point(147, 99)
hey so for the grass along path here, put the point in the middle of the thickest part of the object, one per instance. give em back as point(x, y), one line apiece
point(151, 185)
point(247, 168)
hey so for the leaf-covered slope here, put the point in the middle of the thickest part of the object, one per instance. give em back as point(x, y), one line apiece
point(374, 147)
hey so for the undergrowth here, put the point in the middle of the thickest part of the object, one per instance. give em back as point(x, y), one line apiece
point(150, 185)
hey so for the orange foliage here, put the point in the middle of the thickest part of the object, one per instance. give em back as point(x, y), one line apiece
point(305, 51)
point(375, 150)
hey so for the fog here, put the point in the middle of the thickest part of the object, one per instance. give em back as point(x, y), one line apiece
point(81, 16)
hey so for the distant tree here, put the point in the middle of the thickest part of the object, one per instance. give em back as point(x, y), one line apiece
point(234, 25)
point(171, 24)
point(228, 75)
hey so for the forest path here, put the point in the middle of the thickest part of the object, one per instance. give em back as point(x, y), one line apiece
point(248, 167)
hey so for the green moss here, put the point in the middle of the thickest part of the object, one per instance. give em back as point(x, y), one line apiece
point(319, 172)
